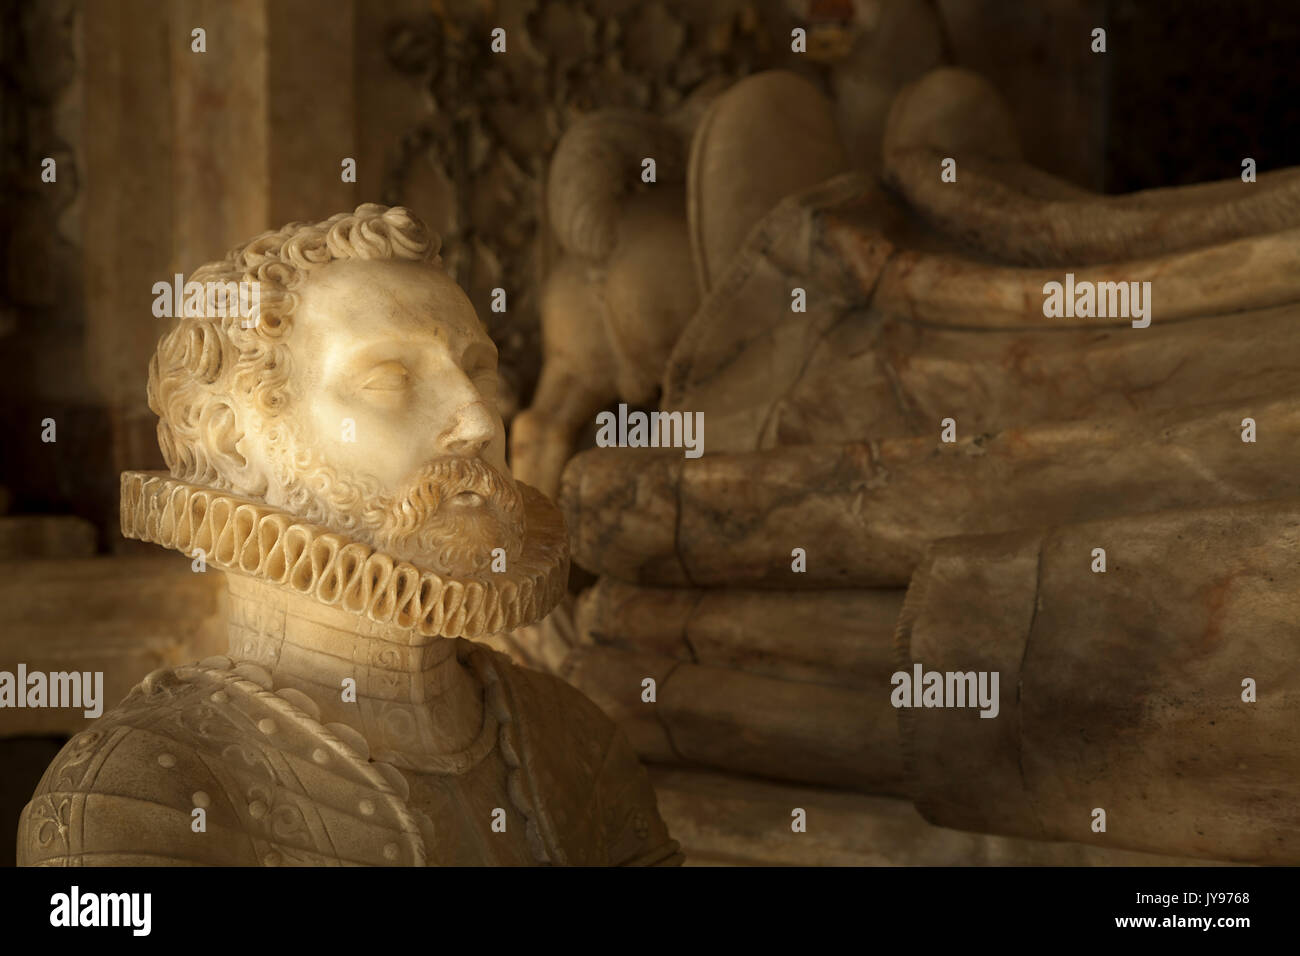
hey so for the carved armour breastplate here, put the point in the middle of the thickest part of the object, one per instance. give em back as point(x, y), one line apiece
point(224, 763)
point(277, 787)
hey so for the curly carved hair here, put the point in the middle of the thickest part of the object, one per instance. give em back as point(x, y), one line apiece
point(202, 363)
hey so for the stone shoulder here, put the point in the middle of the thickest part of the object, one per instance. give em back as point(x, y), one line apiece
point(606, 813)
point(274, 785)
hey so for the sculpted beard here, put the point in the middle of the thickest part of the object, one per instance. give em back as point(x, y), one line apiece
point(417, 524)
point(421, 520)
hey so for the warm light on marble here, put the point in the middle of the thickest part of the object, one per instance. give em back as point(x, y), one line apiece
point(339, 455)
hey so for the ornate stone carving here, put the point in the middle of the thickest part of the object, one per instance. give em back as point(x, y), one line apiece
point(926, 306)
point(352, 722)
point(637, 264)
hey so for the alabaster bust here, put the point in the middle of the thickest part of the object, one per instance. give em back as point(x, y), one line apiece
point(338, 454)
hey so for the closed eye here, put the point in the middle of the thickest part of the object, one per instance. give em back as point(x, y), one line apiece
point(387, 377)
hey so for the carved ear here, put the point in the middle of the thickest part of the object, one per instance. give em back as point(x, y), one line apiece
point(226, 444)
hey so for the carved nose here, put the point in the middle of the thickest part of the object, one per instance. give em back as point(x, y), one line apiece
point(471, 430)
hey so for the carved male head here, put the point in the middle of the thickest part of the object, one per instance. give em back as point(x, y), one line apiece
point(360, 396)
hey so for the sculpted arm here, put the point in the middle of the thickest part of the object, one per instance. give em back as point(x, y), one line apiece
point(635, 832)
point(124, 795)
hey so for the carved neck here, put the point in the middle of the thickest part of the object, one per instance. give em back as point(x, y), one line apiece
point(416, 700)
point(316, 609)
